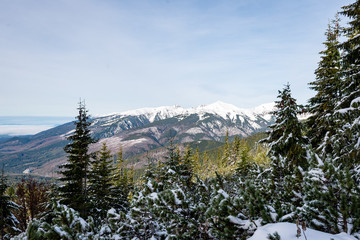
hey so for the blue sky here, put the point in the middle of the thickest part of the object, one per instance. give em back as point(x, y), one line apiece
point(122, 55)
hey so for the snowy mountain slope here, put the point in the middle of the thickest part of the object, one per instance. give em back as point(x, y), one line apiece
point(287, 231)
point(253, 119)
point(138, 131)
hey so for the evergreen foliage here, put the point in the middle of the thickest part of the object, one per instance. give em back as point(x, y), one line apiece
point(168, 196)
point(8, 221)
point(289, 157)
point(123, 184)
point(286, 141)
point(348, 108)
point(100, 183)
point(328, 91)
point(74, 192)
point(310, 174)
point(61, 223)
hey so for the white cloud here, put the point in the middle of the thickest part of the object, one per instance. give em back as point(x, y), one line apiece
point(15, 130)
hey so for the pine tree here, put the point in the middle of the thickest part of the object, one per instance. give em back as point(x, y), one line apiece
point(167, 205)
point(143, 224)
point(75, 172)
point(321, 124)
point(331, 198)
point(62, 223)
point(225, 212)
point(8, 222)
point(100, 183)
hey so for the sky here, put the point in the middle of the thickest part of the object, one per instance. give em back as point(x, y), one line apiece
point(128, 54)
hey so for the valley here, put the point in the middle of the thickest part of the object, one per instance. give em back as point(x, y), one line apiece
point(136, 132)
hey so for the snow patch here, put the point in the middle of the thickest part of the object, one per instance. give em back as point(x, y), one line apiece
point(222, 192)
point(195, 130)
point(288, 231)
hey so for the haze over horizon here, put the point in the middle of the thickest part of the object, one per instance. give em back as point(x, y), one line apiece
point(126, 55)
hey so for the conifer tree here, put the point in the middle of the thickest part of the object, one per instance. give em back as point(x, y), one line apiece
point(321, 124)
point(226, 152)
point(8, 221)
point(207, 167)
point(331, 189)
point(288, 154)
point(100, 183)
point(348, 108)
point(61, 223)
point(196, 161)
point(286, 140)
point(346, 147)
point(187, 170)
point(252, 193)
point(123, 184)
point(165, 206)
point(74, 191)
point(331, 198)
point(226, 211)
point(144, 223)
point(245, 160)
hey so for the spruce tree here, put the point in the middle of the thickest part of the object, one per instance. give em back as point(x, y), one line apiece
point(100, 183)
point(285, 138)
point(321, 124)
point(74, 191)
point(348, 108)
point(346, 153)
point(288, 154)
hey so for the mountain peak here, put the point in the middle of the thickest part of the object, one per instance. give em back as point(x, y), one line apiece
point(220, 108)
point(220, 104)
point(225, 110)
point(266, 107)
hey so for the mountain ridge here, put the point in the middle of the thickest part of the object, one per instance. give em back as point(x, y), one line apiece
point(137, 131)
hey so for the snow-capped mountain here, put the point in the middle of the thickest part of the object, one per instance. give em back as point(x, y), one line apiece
point(140, 130)
point(246, 121)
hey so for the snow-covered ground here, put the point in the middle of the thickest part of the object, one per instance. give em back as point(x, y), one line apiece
point(287, 231)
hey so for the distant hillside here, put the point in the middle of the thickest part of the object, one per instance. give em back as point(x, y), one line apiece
point(138, 131)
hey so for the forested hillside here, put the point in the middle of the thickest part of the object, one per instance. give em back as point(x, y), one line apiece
point(302, 172)
point(136, 132)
